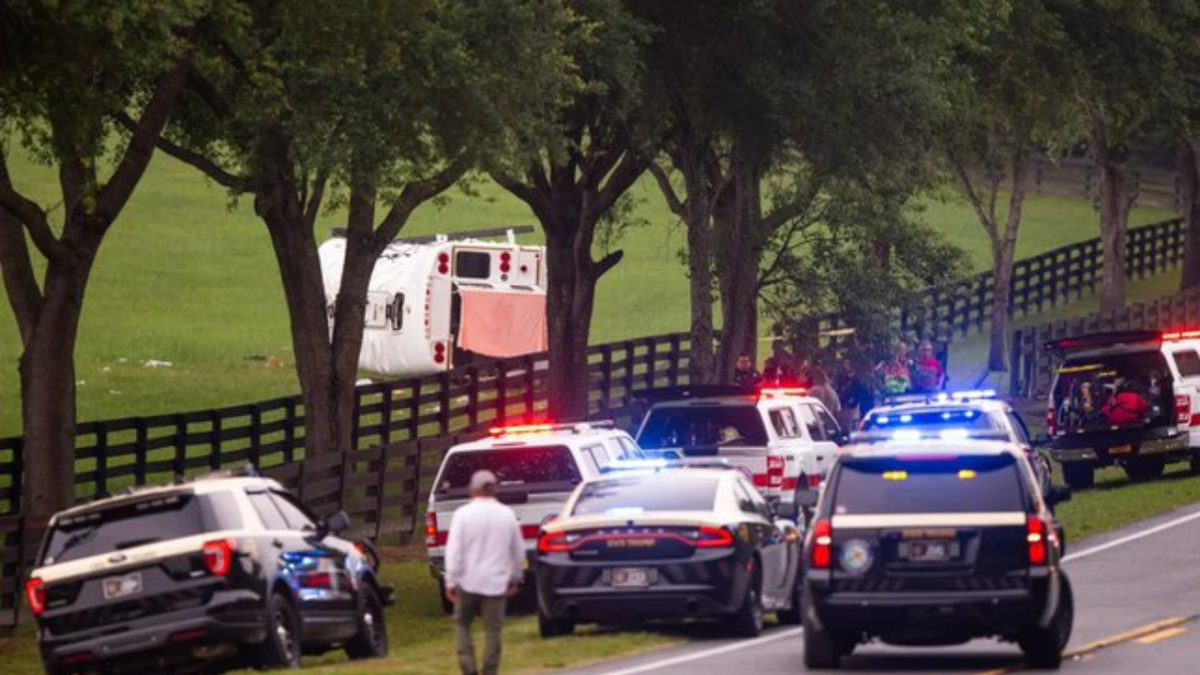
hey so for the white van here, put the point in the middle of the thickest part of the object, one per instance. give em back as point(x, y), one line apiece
point(434, 301)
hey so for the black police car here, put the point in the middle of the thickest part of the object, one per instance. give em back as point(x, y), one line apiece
point(668, 545)
point(935, 543)
point(175, 578)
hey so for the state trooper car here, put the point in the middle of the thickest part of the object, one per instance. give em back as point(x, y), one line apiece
point(174, 578)
point(538, 466)
point(935, 542)
point(667, 544)
point(962, 414)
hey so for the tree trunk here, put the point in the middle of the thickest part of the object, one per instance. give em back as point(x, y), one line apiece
point(1003, 255)
point(738, 258)
point(698, 178)
point(1189, 176)
point(1115, 187)
point(47, 370)
point(570, 294)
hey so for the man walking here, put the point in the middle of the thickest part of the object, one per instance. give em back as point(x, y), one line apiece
point(484, 559)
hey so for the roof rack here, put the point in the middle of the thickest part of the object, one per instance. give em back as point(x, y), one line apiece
point(548, 428)
point(340, 232)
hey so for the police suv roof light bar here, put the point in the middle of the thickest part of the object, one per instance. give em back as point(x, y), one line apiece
point(547, 428)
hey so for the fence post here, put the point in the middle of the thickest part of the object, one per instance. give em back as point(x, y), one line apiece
point(501, 393)
point(414, 408)
point(289, 430)
point(179, 465)
point(214, 440)
point(673, 363)
point(139, 451)
point(385, 412)
point(530, 384)
point(101, 459)
point(1014, 360)
point(651, 363)
point(628, 379)
point(255, 435)
point(355, 421)
point(444, 403)
point(472, 397)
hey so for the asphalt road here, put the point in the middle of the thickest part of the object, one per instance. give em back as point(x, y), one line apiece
point(1137, 591)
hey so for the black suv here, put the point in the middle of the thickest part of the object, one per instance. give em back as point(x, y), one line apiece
point(935, 543)
point(178, 577)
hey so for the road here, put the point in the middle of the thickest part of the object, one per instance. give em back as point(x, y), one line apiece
point(1136, 593)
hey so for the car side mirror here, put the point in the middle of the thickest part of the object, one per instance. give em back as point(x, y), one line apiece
point(1058, 494)
point(779, 510)
point(841, 437)
point(338, 522)
point(806, 499)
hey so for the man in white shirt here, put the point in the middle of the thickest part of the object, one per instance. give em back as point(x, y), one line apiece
point(484, 559)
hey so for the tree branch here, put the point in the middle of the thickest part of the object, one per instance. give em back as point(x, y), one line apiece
point(206, 166)
point(29, 214)
point(626, 173)
point(607, 263)
point(115, 194)
point(415, 194)
point(312, 206)
point(20, 282)
point(964, 179)
point(674, 203)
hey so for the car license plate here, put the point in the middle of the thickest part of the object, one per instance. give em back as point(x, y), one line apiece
point(630, 577)
point(929, 551)
point(1121, 450)
point(123, 586)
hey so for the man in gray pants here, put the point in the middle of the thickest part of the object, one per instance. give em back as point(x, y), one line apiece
point(484, 559)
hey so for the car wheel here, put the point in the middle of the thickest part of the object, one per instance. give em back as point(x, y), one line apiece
point(1043, 647)
point(748, 620)
point(1145, 468)
point(820, 650)
point(1194, 462)
point(1078, 476)
point(553, 628)
point(371, 641)
point(281, 649)
point(792, 616)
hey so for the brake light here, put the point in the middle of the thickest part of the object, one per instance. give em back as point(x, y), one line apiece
point(1183, 409)
point(714, 537)
point(431, 529)
point(822, 550)
point(35, 593)
point(553, 542)
point(1051, 419)
point(1035, 535)
point(218, 556)
point(814, 481)
point(443, 263)
point(318, 580)
point(439, 352)
point(774, 472)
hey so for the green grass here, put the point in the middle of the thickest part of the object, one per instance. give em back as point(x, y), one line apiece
point(187, 277)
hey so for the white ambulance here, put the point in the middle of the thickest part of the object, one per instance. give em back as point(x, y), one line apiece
point(434, 301)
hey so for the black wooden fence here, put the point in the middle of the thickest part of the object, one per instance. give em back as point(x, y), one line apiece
point(403, 427)
point(1046, 280)
point(1033, 366)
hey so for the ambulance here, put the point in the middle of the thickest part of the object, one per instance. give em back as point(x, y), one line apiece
point(437, 302)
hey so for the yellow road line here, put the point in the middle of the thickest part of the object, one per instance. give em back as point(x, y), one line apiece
point(1162, 635)
point(1127, 636)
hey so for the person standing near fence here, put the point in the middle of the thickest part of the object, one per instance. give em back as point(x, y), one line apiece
point(485, 556)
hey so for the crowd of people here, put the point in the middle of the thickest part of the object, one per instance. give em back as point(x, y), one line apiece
point(854, 388)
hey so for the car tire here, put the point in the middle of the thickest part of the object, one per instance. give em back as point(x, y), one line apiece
point(1043, 647)
point(794, 616)
point(371, 641)
point(820, 649)
point(1194, 463)
point(1078, 476)
point(281, 648)
point(747, 621)
point(550, 628)
point(1145, 468)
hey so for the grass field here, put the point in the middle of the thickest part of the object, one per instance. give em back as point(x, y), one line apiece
point(189, 278)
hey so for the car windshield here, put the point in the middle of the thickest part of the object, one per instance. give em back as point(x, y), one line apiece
point(688, 426)
point(1097, 393)
point(124, 526)
point(934, 421)
point(939, 484)
point(644, 494)
point(526, 467)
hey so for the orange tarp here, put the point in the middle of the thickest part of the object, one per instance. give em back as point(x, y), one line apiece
point(502, 324)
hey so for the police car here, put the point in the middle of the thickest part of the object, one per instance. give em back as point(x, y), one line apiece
point(1130, 399)
point(177, 577)
point(538, 467)
point(786, 440)
point(676, 543)
point(963, 414)
point(935, 542)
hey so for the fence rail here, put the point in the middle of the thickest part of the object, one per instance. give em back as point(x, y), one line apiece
point(1033, 366)
point(1046, 280)
point(402, 429)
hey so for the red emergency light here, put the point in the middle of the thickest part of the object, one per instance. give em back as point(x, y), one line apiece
point(521, 429)
point(1181, 335)
point(779, 392)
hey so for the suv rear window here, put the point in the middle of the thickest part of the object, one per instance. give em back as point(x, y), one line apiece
point(647, 493)
point(525, 467)
point(125, 526)
point(941, 485)
point(1096, 393)
point(676, 427)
